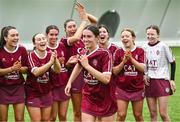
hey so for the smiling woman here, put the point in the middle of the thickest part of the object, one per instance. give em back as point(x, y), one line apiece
point(96, 65)
point(129, 68)
point(38, 86)
point(40, 43)
point(12, 66)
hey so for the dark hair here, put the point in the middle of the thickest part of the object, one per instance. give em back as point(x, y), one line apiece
point(33, 38)
point(129, 30)
point(4, 33)
point(68, 20)
point(50, 27)
point(94, 29)
point(103, 26)
point(155, 27)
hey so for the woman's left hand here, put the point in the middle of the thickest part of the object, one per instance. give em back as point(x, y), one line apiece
point(173, 85)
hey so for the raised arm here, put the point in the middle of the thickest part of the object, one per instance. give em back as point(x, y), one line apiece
point(92, 19)
point(84, 22)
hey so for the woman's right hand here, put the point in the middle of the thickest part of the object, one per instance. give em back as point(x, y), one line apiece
point(73, 59)
point(146, 80)
point(68, 89)
point(53, 56)
point(16, 66)
point(81, 10)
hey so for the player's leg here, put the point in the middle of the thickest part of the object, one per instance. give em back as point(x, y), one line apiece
point(45, 114)
point(88, 118)
point(19, 112)
point(62, 110)
point(54, 111)
point(137, 107)
point(76, 102)
point(163, 108)
point(34, 113)
point(122, 109)
point(152, 105)
point(4, 112)
point(108, 119)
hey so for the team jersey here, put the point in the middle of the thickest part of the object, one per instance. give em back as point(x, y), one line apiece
point(129, 78)
point(37, 86)
point(61, 78)
point(112, 48)
point(73, 49)
point(7, 60)
point(158, 58)
point(94, 90)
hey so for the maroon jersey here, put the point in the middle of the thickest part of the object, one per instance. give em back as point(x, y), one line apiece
point(129, 78)
point(112, 48)
point(73, 49)
point(37, 86)
point(95, 91)
point(7, 60)
point(61, 78)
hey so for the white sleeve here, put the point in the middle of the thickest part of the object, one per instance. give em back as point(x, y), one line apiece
point(169, 53)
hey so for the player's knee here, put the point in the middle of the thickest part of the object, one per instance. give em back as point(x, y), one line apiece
point(77, 115)
point(163, 115)
point(53, 118)
point(62, 117)
point(121, 115)
point(138, 116)
point(3, 119)
point(19, 118)
point(45, 119)
point(153, 113)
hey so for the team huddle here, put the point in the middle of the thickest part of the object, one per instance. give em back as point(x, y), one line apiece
point(98, 76)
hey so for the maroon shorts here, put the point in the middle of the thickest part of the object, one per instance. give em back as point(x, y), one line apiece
point(40, 102)
point(59, 94)
point(78, 84)
point(107, 107)
point(158, 88)
point(12, 94)
point(129, 96)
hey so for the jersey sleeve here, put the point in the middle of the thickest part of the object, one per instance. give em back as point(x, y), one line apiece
point(32, 62)
point(141, 56)
point(24, 59)
point(117, 57)
point(106, 62)
point(169, 53)
point(64, 41)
